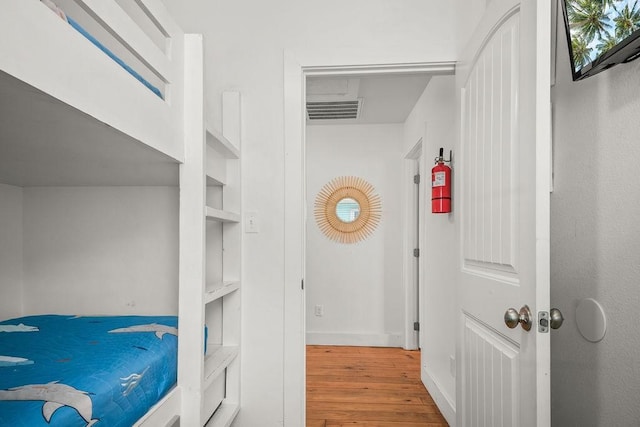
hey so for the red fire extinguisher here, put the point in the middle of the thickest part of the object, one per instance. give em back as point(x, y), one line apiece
point(441, 185)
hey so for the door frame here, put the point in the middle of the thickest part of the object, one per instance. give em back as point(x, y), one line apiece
point(297, 66)
point(413, 238)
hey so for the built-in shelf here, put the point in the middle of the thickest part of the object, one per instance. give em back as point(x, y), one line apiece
point(217, 360)
point(220, 381)
point(214, 181)
point(222, 216)
point(222, 145)
point(216, 291)
point(224, 415)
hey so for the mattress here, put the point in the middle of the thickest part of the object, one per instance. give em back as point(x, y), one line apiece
point(82, 371)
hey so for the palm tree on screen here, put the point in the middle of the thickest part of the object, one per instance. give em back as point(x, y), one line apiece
point(581, 51)
point(588, 18)
point(627, 21)
point(607, 3)
point(607, 43)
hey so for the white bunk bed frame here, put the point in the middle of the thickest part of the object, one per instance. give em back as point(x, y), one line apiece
point(50, 74)
point(54, 58)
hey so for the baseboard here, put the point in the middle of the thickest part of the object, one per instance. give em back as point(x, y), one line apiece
point(444, 402)
point(362, 340)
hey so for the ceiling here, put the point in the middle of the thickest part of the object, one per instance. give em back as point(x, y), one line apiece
point(383, 98)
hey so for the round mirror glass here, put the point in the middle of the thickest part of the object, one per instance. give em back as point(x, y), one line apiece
point(347, 210)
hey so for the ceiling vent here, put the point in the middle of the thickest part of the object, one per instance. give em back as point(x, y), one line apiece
point(333, 110)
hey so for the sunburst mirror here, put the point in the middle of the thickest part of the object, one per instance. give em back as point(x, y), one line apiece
point(347, 209)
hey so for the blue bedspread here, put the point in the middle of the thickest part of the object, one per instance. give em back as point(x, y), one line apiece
point(82, 371)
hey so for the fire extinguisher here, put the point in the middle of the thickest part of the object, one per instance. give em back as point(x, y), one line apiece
point(441, 185)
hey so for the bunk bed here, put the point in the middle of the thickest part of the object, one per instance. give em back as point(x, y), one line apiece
point(109, 370)
point(96, 95)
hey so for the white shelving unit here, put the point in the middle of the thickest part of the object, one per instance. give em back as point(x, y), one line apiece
point(221, 299)
point(222, 215)
point(218, 290)
point(210, 257)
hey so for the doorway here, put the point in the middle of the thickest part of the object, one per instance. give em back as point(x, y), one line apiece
point(355, 289)
point(294, 320)
point(361, 296)
point(296, 69)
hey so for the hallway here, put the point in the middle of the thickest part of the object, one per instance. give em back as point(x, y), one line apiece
point(367, 386)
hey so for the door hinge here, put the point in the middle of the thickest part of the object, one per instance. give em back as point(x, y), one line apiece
point(416, 252)
point(416, 326)
point(416, 179)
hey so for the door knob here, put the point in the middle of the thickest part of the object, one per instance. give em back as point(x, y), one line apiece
point(555, 318)
point(523, 317)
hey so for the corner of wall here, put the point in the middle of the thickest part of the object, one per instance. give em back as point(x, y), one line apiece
point(11, 252)
point(444, 401)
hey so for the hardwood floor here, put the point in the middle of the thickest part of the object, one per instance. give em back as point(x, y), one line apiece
point(367, 386)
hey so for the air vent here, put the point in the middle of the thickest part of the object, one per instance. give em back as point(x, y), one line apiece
point(334, 110)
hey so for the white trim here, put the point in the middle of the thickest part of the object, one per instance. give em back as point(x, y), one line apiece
point(409, 280)
point(445, 403)
point(416, 151)
point(358, 340)
point(294, 245)
point(192, 239)
point(165, 412)
point(296, 68)
point(435, 68)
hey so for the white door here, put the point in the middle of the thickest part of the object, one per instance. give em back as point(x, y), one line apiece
point(503, 196)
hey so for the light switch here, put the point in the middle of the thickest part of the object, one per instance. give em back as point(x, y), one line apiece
point(250, 222)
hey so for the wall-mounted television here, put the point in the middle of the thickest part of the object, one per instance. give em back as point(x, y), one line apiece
point(601, 34)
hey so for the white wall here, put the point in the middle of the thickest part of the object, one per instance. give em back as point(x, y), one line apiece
point(359, 285)
point(10, 251)
point(468, 13)
point(245, 42)
point(433, 119)
point(100, 250)
point(595, 244)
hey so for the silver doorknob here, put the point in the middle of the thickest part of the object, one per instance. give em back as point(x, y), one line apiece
point(555, 318)
point(523, 317)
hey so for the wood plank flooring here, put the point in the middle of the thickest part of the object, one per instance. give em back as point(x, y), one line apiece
point(367, 386)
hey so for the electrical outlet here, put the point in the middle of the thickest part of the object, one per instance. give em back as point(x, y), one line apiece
point(319, 310)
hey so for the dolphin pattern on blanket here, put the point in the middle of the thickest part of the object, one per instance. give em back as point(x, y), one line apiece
point(160, 330)
point(55, 396)
point(18, 328)
point(14, 361)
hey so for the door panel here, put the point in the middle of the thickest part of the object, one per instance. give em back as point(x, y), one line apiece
point(490, 198)
point(504, 85)
point(490, 371)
